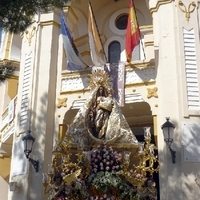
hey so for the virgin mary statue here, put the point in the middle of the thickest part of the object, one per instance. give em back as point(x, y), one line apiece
point(100, 120)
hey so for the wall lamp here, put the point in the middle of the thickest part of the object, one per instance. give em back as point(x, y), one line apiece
point(28, 144)
point(168, 130)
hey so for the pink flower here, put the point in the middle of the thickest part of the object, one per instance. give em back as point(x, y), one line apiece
point(99, 157)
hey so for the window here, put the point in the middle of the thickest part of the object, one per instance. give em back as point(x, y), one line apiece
point(121, 22)
point(114, 51)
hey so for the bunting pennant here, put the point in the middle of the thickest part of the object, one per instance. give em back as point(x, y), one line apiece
point(75, 61)
point(132, 32)
point(96, 49)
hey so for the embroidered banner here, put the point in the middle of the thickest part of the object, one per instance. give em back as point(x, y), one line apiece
point(116, 72)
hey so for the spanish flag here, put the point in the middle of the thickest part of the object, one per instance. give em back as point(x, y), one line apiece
point(132, 32)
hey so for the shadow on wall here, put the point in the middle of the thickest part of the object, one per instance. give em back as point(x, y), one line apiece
point(42, 126)
point(181, 180)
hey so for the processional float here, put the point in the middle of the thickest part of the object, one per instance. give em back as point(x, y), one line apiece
point(99, 157)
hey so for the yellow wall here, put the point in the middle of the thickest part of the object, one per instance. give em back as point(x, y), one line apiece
point(4, 167)
point(12, 87)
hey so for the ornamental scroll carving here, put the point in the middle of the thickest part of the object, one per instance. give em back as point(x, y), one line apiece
point(62, 102)
point(140, 75)
point(30, 34)
point(152, 92)
point(133, 76)
point(74, 83)
point(187, 10)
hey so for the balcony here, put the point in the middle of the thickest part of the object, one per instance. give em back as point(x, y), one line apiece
point(8, 127)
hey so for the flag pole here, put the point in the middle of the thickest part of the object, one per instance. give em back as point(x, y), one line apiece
point(142, 44)
point(98, 31)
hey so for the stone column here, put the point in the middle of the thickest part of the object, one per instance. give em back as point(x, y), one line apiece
point(36, 105)
point(167, 48)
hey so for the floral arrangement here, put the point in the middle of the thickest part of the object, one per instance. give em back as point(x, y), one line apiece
point(106, 180)
point(105, 159)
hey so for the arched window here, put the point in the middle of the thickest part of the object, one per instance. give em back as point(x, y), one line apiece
point(114, 51)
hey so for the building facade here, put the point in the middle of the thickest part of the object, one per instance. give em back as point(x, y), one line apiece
point(161, 81)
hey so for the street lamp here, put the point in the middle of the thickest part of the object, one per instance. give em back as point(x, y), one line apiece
point(168, 130)
point(28, 144)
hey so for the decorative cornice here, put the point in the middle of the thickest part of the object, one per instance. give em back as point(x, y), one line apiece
point(66, 73)
point(140, 65)
point(146, 27)
point(50, 23)
point(75, 91)
point(68, 9)
point(159, 3)
point(145, 83)
point(14, 77)
point(150, 43)
point(14, 62)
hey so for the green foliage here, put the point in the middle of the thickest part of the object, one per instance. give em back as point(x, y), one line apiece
point(114, 183)
point(80, 190)
point(6, 70)
point(16, 15)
